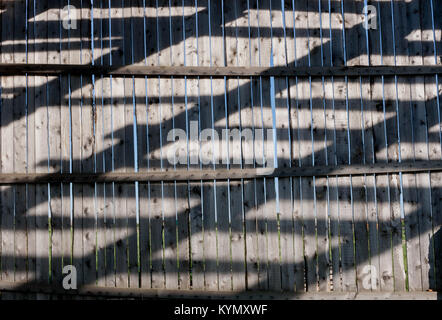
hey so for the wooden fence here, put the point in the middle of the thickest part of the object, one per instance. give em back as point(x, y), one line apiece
point(311, 159)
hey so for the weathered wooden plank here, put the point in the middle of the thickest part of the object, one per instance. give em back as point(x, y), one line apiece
point(283, 151)
point(75, 116)
point(154, 120)
point(193, 112)
point(344, 214)
point(306, 157)
point(433, 149)
point(249, 112)
point(206, 149)
point(355, 50)
point(220, 111)
point(420, 117)
point(166, 117)
point(65, 152)
point(129, 157)
point(54, 160)
point(140, 95)
point(88, 117)
point(368, 113)
point(270, 209)
point(382, 197)
point(178, 92)
point(435, 241)
point(359, 196)
point(255, 241)
point(108, 164)
point(409, 139)
point(332, 190)
point(31, 164)
point(382, 188)
point(436, 179)
point(260, 262)
point(292, 57)
point(41, 152)
point(336, 54)
point(380, 183)
point(143, 188)
point(319, 152)
point(389, 56)
point(328, 194)
point(155, 192)
point(99, 141)
point(119, 91)
point(7, 152)
point(236, 54)
point(370, 267)
point(19, 144)
point(344, 193)
point(230, 221)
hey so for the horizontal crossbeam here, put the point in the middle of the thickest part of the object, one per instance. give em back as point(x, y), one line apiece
point(221, 174)
point(181, 71)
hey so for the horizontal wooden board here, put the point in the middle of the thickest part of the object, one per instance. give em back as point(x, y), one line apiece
point(140, 293)
point(201, 71)
point(221, 174)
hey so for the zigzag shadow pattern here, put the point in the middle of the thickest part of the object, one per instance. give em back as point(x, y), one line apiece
point(146, 239)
